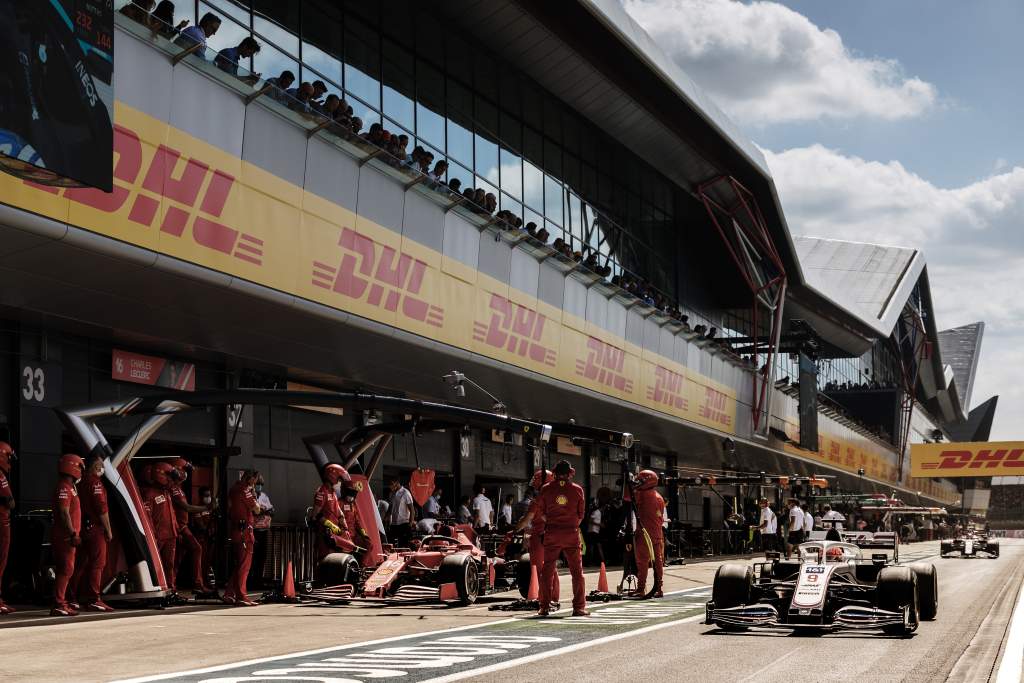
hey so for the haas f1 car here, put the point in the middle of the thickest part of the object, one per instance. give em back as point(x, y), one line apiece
point(830, 586)
point(971, 544)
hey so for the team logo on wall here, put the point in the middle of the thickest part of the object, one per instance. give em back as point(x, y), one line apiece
point(604, 364)
point(380, 276)
point(516, 329)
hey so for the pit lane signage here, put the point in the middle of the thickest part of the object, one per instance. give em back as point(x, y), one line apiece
point(968, 459)
point(151, 370)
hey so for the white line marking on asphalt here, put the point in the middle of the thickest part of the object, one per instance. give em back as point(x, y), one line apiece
point(335, 648)
point(306, 653)
point(1012, 666)
point(562, 650)
point(770, 665)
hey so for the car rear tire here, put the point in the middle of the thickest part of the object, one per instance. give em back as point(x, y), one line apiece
point(461, 570)
point(927, 590)
point(337, 569)
point(945, 549)
point(897, 588)
point(523, 575)
point(993, 548)
point(732, 588)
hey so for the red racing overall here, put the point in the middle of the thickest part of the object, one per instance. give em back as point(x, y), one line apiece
point(650, 508)
point(537, 550)
point(241, 515)
point(63, 544)
point(5, 529)
point(92, 556)
point(561, 505)
point(157, 502)
point(186, 541)
point(204, 530)
point(327, 509)
point(353, 522)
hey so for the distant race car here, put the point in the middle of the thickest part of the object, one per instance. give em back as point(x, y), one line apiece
point(972, 543)
point(448, 567)
point(830, 586)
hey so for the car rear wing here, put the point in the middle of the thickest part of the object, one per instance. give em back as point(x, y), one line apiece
point(878, 540)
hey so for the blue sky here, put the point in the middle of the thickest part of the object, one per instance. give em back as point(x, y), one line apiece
point(971, 51)
point(885, 121)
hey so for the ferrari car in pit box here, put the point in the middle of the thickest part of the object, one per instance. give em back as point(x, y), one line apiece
point(971, 543)
point(448, 567)
point(831, 585)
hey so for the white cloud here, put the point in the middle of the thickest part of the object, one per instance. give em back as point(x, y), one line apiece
point(971, 236)
point(764, 63)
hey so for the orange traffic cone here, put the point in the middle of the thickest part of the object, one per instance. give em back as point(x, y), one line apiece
point(602, 580)
point(289, 582)
point(534, 591)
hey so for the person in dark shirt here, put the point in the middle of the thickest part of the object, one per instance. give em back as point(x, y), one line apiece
point(229, 58)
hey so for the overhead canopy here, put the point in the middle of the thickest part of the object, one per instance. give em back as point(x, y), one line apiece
point(960, 347)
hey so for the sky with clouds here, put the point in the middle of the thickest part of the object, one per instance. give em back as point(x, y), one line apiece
point(889, 122)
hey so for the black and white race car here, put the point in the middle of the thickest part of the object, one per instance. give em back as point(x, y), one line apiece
point(831, 585)
point(971, 543)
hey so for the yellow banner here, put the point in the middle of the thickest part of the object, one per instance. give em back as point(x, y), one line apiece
point(969, 459)
point(177, 195)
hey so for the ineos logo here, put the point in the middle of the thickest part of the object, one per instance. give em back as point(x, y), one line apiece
point(90, 89)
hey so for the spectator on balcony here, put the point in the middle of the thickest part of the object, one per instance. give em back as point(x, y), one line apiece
point(375, 134)
point(162, 20)
point(300, 97)
point(454, 185)
point(280, 85)
point(479, 199)
point(531, 229)
point(490, 202)
point(590, 263)
point(319, 89)
point(329, 108)
point(228, 59)
point(543, 235)
point(138, 10)
point(440, 169)
point(193, 35)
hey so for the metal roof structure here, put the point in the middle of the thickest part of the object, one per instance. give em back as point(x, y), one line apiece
point(960, 348)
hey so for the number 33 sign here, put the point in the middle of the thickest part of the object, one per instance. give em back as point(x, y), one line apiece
point(41, 384)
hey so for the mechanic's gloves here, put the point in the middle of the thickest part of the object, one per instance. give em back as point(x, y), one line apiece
point(332, 527)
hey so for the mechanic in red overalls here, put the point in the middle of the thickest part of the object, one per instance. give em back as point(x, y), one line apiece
point(67, 525)
point(353, 521)
point(96, 533)
point(187, 542)
point(561, 504)
point(156, 498)
point(650, 508)
point(242, 509)
point(332, 532)
point(6, 505)
point(204, 529)
point(535, 523)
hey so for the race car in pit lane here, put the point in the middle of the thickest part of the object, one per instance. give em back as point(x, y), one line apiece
point(453, 566)
point(831, 585)
point(971, 543)
point(448, 566)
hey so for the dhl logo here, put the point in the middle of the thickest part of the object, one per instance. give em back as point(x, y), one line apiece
point(379, 275)
point(667, 389)
point(603, 365)
point(169, 176)
point(713, 407)
point(515, 328)
point(983, 459)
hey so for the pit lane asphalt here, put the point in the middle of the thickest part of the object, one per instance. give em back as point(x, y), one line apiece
point(666, 643)
point(946, 648)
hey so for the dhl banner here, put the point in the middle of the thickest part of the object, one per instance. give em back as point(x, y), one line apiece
point(969, 459)
point(177, 195)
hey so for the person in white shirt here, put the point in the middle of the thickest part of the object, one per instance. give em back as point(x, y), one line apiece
point(808, 521)
point(483, 510)
point(401, 514)
point(769, 527)
point(465, 515)
point(426, 526)
point(432, 508)
point(833, 516)
point(593, 536)
point(796, 526)
point(505, 513)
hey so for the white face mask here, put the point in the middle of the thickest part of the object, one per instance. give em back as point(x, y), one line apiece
point(207, 500)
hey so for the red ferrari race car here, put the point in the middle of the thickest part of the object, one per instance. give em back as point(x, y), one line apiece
point(447, 566)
